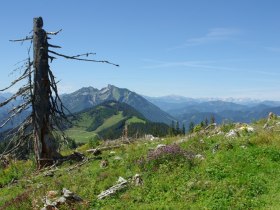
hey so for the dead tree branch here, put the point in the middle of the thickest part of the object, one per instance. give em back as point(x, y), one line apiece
point(27, 38)
point(54, 33)
point(76, 57)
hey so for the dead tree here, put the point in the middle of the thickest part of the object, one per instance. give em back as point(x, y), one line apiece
point(41, 95)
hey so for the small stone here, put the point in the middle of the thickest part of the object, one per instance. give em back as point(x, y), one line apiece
point(201, 141)
point(160, 146)
point(104, 163)
point(138, 181)
point(231, 134)
point(61, 200)
point(199, 156)
point(52, 194)
point(118, 158)
point(215, 149)
point(49, 173)
point(67, 193)
point(271, 116)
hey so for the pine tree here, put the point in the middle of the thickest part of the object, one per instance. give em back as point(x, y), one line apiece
point(212, 119)
point(177, 130)
point(206, 122)
point(191, 127)
point(183, 129)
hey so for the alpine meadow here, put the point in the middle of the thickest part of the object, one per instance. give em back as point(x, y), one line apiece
point(139, 105)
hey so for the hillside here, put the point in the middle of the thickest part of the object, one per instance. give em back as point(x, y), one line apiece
point(107, 121)
point(88, 97)
point(235, 166)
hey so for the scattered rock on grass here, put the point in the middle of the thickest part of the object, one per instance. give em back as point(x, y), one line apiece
point(104, 163)
point(117, 158)
point(199, 156)
point(231, 134)
point(160, 146)
point(52, 201)
point(137, 180)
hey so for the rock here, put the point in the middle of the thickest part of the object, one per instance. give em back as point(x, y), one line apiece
point(150, 137)
point(271, 116)
point(220, 133)
point(137, 180)
point(250, 129)
point(67, 193)
point(112, 152)
point(231, 134)
point(201, 141)
point(4, 161)
point(199, 156)
point(160, 146)
point(215, 149)
point(104, 163)
point(52, 202)
point(49, 173)
point(246, 128)
point(117, 158)
point(52, 194)
point(243, 146)
point(61, 200)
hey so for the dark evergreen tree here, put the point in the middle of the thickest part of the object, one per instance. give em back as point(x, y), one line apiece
point(191, 127)
point(206, 122)
point(177, 129)
point(212, 119)
point(183, 129)
point(202, 124)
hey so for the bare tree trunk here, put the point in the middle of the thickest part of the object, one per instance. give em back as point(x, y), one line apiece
point(44, 142)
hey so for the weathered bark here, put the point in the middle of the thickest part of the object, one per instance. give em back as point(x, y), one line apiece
point(44, 142)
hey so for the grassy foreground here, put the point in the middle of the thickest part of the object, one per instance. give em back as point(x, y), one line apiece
point(205, 171)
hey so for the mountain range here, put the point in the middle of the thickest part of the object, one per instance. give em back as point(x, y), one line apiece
point(164, 109)
point(88, 97)
point(187, 110)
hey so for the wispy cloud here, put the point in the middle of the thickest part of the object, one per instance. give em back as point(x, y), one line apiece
point(273, 49)
point(213, 35)
point(206, 66)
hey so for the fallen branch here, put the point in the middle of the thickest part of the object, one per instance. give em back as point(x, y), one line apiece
point(121, 183)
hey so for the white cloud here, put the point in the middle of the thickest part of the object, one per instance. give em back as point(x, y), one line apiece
point(213, 35)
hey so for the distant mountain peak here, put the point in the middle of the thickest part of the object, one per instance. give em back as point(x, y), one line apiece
point(88, 97)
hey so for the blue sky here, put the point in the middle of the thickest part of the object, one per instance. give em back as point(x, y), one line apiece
point(198, 48)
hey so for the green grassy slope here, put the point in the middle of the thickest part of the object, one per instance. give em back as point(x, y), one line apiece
point(204, 171)
point(106, 120)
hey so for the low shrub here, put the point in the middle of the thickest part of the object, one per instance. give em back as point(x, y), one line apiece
point(170, 155)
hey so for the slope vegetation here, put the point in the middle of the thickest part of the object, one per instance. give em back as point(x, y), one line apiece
point(108, 120)
point(235, 166)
